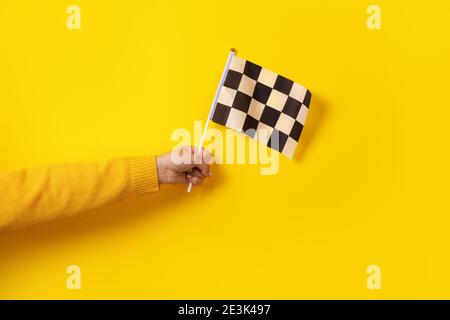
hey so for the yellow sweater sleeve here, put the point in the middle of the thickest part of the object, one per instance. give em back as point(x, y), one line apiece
point(47, 193)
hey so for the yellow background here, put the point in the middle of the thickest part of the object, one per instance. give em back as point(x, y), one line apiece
point(369, 184)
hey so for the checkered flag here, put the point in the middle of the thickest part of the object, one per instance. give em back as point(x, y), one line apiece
point(263, 105)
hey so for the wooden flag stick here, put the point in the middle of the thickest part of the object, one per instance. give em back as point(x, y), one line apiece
point(213, 106)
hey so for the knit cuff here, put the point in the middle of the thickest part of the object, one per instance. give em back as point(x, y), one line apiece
point(144, 175)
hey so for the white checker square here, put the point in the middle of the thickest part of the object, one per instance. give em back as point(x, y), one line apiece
point(226, 96)
point(267, 77)
point(237, 64)
point(236, 119)
point(285, 123)
point(263, 133)
point(298, 92)
point(277, 100)
point(301, 117)
point(289, 148)
point(247, 85)
point(255, 109)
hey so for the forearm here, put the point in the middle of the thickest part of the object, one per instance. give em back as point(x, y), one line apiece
point(41, 194)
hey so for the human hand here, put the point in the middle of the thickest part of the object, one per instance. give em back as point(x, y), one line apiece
point(184, 165)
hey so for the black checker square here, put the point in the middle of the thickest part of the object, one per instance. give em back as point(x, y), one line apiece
point(221, 113)
point(261, 92)
point(270, 116)
point(292, 107)
point(250, 125)
point(307, 99)
point(241, 101)
point(277, 140)
point(283, 85)
point(252, 70)
point(296, 131)
point(233, 79)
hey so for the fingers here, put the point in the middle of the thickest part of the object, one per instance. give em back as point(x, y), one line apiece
point(187, 164)
point(207, 157)
point(202, 161)
point(195, 177)
point(204, 169)
point(189, 157)
point(182, 159)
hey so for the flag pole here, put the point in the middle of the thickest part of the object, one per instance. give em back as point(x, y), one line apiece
point(213, 105)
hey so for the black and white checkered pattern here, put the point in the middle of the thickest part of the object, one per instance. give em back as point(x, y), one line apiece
point(263, 105)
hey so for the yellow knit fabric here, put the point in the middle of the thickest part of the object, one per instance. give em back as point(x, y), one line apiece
point(35, 195)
